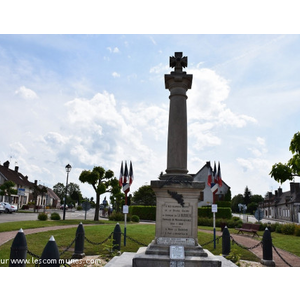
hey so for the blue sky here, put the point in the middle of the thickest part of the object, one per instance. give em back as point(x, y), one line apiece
point(99, 99)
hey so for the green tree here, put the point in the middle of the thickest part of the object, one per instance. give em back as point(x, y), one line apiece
point(73, 192)
point(144, 196)
point(102, 182)
point(235, 201)
point(59, 189)
point(7, 189)
point(283, 172)
point(247, 196)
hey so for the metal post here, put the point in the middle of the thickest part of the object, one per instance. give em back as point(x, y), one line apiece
point(267, 249)
point(225, 242)
point(125, 220)
point(50, 255)
point(117, 237)
point(68, 169)
point(18, 250)
point(79, 243)
point(214, 223)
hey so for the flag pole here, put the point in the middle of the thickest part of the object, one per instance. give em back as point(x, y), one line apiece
point(125, 220)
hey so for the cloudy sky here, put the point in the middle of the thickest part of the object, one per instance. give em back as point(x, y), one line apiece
point(92, 100)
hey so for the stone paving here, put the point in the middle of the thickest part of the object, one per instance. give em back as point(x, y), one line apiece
point(247, 241)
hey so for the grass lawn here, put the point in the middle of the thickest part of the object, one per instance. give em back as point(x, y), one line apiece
point(143, 233)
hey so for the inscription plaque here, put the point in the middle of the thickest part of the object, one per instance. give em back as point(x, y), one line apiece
point(177, 252)
point(176, 220)
point(175, 241)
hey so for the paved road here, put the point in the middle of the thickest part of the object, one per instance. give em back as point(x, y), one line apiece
point(30, 216)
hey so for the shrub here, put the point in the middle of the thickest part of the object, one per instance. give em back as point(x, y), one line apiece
point(55, 216)
point(297, 230)
point(42, 216)
point(144, 212)
point(135, 218)
point(223, 212)
point(25, 206)
point(79, 207)
point(116, 216)
point(278, 228)
point(288, 229)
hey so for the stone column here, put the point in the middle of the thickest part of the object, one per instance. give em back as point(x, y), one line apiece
point(178, 82)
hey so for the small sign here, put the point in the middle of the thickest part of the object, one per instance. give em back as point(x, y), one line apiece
point(214, 208)
point(125, 209)
point(21, 192)
point(86, 205)
point(177, 252)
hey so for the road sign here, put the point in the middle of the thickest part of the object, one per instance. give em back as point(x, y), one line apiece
point(214, 208)
point(21, 192)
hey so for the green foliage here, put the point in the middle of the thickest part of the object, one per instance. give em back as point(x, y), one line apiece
point(135, 218)
point(224, 204)
point(7, 189)
point(102, 182)
point(288, 229)
point(283, 172)
point(42, 216)
point(234, 222)
point(116, 216)
point(144, 212)
point(55, 216)
point(144, 196)
point(234, 256)
point(223, 212)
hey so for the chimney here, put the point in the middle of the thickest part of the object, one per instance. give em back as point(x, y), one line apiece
point(6, 164)
point(270, 195)
point(17, 169)
point(208, 164)
point(279, 191)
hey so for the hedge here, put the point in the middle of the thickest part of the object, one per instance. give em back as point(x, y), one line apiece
point(223, 212)
point(149, 212)
point(144, 212)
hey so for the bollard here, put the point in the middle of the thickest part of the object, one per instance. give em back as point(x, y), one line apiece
point(18, 250)
point(117, 238)
point(267, 249)
point(50, 255)
point(225, 242)
point(79, 243)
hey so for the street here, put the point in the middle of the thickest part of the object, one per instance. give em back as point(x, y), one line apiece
point(30, 216)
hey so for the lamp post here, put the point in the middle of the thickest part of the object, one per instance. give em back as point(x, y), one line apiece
point(68, 170)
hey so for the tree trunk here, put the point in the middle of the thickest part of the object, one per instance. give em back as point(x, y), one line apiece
point(96, 217)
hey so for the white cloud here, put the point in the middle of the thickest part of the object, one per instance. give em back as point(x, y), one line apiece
point(115, 74)
point(113, 50)
point(26, 93)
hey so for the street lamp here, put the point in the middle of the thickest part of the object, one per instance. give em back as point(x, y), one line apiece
point(68, 170)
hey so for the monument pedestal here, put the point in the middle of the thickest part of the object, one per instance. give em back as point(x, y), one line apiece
point(176, 225)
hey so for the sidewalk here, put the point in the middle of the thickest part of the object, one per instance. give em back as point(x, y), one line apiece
point(248, 241)
point(9, 235)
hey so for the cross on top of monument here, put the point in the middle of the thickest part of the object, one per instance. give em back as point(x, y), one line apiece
point(178, 62)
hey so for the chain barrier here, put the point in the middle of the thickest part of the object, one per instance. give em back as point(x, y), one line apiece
point(63, 252)
point(281, 256)
point(247, 248)
point(217, 240)
point(93, 243)
point(134, 240)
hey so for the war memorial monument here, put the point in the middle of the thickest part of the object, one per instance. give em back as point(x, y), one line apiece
point(176, 234)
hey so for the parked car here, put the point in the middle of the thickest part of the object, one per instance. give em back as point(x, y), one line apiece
point(9, 208)
point(62, 207)
point(2, 209)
